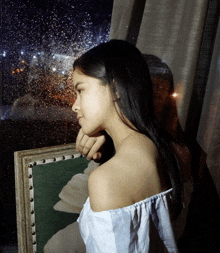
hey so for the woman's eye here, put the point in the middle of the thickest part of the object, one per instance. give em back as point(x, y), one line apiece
point(79, 91)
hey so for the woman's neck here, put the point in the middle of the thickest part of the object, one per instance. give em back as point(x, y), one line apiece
point(119, 134)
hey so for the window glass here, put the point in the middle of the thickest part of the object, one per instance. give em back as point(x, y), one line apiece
point(39, 42)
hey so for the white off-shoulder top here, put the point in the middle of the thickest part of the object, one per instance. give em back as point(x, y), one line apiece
point(139, 228)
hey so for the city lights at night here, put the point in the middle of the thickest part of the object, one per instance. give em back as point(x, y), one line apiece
point(39, 31)
point(39, 42)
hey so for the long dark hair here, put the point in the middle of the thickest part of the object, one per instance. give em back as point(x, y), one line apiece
point(121, 65)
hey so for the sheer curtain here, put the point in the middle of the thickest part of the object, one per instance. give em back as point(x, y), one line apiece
point(181, 34)
point(173, 30)
point(169, 29)
point(209, 127)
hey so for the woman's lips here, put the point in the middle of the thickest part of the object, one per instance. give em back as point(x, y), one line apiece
point(79, 118)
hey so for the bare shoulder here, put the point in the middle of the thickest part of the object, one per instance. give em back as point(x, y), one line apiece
point(130, 176)
point(104, 187)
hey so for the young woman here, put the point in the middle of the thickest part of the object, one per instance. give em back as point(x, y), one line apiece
point(136, 193)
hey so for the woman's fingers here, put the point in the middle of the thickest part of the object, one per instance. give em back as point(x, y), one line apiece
point(93, 152)
point(78, 139)
point(89, 146)
point(97, 156)
point(86, 144)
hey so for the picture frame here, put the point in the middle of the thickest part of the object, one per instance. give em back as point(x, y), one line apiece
point(40, 175)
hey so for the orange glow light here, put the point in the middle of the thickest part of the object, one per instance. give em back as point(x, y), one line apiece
point(175, 95)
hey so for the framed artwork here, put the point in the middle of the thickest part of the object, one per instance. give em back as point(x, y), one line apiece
point(40, 175)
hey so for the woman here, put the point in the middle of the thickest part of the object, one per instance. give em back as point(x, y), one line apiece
point(136, 193)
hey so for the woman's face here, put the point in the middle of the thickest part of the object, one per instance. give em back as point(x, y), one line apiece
point(94, 104)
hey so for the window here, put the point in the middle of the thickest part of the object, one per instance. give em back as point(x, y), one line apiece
point(40, 40)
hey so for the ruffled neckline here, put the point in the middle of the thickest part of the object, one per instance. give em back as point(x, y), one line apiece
point(135, 205)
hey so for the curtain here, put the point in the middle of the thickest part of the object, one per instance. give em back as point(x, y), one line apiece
point(169, 29)
point(181, 34)
point(209, 126)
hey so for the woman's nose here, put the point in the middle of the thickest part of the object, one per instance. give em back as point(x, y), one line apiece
point(75, 106)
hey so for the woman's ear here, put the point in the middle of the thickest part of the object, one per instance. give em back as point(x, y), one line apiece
point(116, 97)
point(115, 94)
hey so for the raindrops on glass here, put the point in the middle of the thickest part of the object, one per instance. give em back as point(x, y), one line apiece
point(40, 41)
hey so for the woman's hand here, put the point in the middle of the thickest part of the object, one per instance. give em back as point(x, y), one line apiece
point(90, 146)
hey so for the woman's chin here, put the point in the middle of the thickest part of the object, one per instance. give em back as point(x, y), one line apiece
point(87, 131)
point(91, 132)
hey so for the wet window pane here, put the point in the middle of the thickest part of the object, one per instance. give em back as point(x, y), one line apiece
point(39, 42)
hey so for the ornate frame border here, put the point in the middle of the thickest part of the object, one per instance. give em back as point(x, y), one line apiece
point(24, 162)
